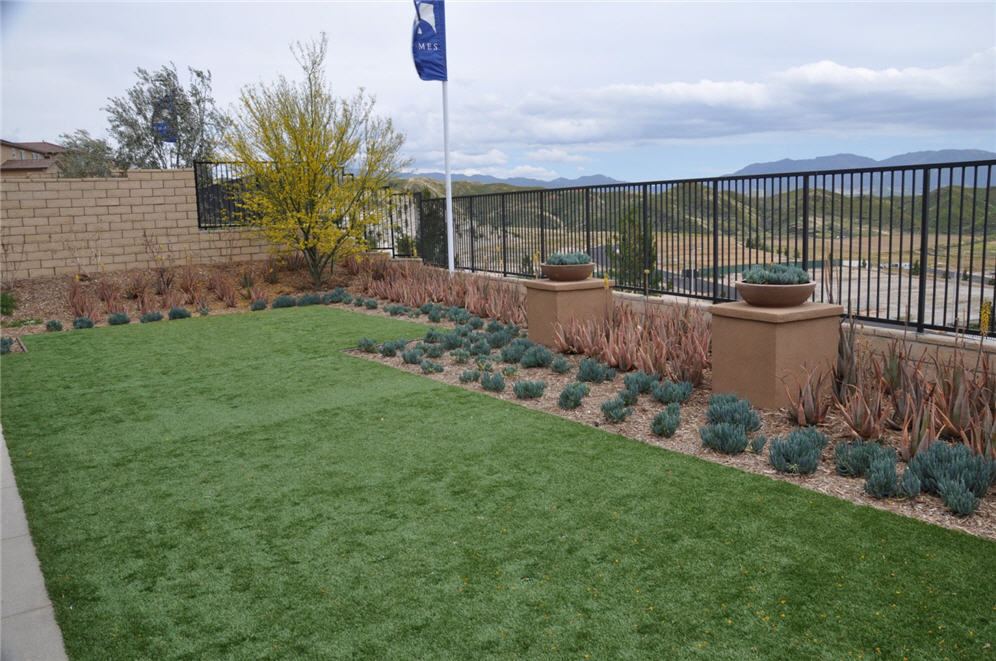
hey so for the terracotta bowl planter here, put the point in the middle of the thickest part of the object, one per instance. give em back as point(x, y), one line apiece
point(775, 296)
point(568, 272)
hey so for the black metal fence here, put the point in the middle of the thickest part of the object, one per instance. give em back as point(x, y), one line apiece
point(909, 245)
point(218, 187)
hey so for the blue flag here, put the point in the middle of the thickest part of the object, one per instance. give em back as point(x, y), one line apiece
point(429, 40)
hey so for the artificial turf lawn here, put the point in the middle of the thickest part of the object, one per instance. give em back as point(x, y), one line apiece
point(236, 487)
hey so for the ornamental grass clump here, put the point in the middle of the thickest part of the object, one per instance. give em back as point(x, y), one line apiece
point(571, 396)
point(148, 317)
point(729, 408)
point(757, 443)
point(957, 496)
point(529, 389)
point(284, 301)
point(468, 376)
point(53, 325)
point(309, 299)
point(451, 341)
point(853, 459)
point(943, 463)
point(179, 313)
point(480, 348)
point(460, 356)
point(882, 481)
point(561, 365)
point(537, 356)
point(568, 258)
point(337, 295)
point(775, 274)
point(367, 344)
point(5, 345)
point(629, 397)
point(669, 392)
point(258, 305)
point(592, 371)
point(413, 356)
point(370, 304)
point(725, 437)
point(512, 353)
point(475, 323)
point(80, 323)
point(434, 350)
point(640, 382)
point(391, 349)
point(493, 382)
point(666, 422)
point(799, 452)
point(118, 319)
point(615, 410)
point(429, 367)
point(359, 302)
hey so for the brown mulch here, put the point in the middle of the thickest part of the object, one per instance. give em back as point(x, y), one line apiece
point(44, 299)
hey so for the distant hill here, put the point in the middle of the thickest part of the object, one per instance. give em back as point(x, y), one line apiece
point(520, 182)
point(848, 161)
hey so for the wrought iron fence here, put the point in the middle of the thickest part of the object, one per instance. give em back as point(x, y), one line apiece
point(218, 186)
point(909, 245)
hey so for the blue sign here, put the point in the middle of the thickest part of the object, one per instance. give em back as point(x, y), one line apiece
point(429, 40)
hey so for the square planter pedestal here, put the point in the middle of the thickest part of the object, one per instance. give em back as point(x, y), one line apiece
point(757, 351)
point(549, 302)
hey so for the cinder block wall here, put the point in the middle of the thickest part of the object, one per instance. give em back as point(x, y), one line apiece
point(51, 227)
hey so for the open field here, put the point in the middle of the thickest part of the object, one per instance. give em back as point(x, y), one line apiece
point(236, 487)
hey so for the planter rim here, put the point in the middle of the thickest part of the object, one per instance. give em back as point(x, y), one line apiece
point(567, 272)
point(775, 296)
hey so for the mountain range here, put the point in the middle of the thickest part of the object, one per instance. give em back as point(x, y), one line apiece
point(820, 163)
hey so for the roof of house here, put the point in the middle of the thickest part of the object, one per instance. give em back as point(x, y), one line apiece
point(41, 147)
point(27, 164)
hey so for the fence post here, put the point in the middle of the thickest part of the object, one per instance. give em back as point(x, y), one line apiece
point(504, 238)
point(470, 222)
point(390, 216)
point(542, 196)
point(646, 245)
point(419, 243)
point(921, 309)
point(805, 223)
point(587, 220)
point(715, 240)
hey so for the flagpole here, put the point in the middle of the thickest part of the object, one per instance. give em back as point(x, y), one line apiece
point(449, 191)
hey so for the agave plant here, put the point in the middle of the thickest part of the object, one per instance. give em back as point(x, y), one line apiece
point(845, 372)
point(919, 428)
point(865, 408)
point(810, 401)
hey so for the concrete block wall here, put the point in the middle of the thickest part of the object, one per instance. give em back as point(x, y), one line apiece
point(51, 227)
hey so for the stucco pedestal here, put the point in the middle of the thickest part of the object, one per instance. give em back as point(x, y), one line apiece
point(757, 351)
point(549, 302)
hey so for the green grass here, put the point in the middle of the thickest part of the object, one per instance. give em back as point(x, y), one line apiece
point(235, 487)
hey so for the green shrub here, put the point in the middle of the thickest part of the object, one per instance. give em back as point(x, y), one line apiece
point(147, 318)
point(118, 319)
point(451, 341)
point(460, 356)
point(568, 258)
point(737, 411)
point(571, 396)
point(615, 410)
point(561, 365)
point(284, 301)
point(669, 392)
point(591, 371)
point(476, 323)
point(391, 349)
point(498, 339)
point(435, 315)
point(494, 326)
point(337, 295)
point(434, 351)
point(413, 356)
point(726, 437)
point(512, 353)
point(470, 375)
point(757, 443)
point(629, 397)
point(53, 326)
point(80, 323)
point(204, 311)
point(426, 308)
point(853, 459)
point(429, 367)
point(370, 304)
point(480, 348)
point(7, 303)
point(881, 480)
point(433, 336)
point(463, 330)
point(396, 309)
point(529, 389)
point(457, 315)
point(799, 452)
point(258, 305)
point(179, 313)
point(537, 356)
point(484, 364)
point(941, 461)
point(5, 345)
point(957, 496)
point(367, 344)
point(309, 299)
point(493, 382)
point(666, 422)
point(359, 302)
point(510, 371)
point(775, 274)
point(640, 382)
point(909, 484)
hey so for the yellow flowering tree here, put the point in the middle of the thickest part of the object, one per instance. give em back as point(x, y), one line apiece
point(311, 166)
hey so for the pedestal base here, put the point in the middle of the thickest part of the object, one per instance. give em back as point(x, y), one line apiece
point(757, 351)
point(549, 303)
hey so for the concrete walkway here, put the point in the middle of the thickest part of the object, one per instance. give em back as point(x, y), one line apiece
point(27, 628)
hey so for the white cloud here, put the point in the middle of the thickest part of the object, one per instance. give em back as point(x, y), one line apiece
point(557, 155)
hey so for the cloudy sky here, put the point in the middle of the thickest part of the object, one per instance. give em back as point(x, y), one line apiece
point(633, 90)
